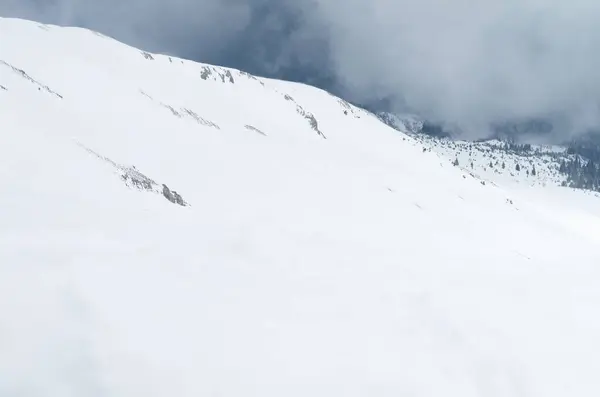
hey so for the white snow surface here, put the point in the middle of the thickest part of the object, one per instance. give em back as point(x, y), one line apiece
point(356, 265)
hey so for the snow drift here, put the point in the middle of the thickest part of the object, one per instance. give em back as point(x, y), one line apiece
point(314, 251)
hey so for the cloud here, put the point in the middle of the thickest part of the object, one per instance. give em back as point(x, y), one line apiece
point(463, 62)
point(470, 62)
point(175, 26)
point(266, 37)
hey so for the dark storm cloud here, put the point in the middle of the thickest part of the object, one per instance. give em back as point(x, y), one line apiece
point(471, 62)
point(467, 62)
point(266, 37)
point(176, 26)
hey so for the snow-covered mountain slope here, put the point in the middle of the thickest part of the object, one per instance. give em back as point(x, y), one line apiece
point(402, 122)
point(495, 161)
point(176, 229)
point(515, 165)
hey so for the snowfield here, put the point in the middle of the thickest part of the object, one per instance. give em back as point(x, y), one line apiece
point(315, 251)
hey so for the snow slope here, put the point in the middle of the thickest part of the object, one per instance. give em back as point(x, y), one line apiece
point(322, 253)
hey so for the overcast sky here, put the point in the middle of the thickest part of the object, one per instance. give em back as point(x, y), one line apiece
point(467, 62)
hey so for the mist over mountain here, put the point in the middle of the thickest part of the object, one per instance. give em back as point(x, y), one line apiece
point(470, 66)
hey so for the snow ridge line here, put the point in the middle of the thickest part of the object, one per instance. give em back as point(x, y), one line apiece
point(136, 180)
point(185, 113)
point(30, 79)
point(312, 121)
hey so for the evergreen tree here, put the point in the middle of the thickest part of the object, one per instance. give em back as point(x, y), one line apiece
point(563, 167)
